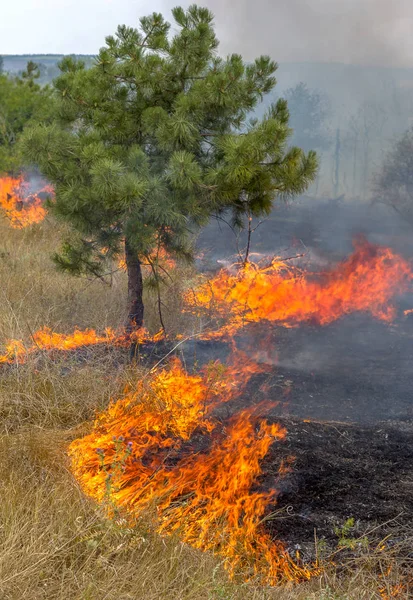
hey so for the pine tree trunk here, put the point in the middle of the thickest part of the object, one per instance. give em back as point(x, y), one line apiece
point(135, 290)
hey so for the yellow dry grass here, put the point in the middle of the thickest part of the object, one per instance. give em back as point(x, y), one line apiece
point(54, 543)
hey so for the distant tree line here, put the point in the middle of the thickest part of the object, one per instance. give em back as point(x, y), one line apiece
point(22, 102)
point(47, 64)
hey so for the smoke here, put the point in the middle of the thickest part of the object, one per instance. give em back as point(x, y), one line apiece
point(368, 32)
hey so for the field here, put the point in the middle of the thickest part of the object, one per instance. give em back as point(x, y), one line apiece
point(54, 542)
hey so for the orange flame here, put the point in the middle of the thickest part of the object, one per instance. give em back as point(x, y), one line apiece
point(366, 281)
point(47, 340)
point(159, 258)
point(142, 450)
point(396, 591)
point(161, 445)
point(20, 207)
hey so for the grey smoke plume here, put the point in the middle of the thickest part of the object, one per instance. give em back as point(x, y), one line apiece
point(353, 31)
point(368, 32)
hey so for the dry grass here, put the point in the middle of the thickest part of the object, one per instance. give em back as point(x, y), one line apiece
point(33, 294)
point(54, 543)
point(55, 396)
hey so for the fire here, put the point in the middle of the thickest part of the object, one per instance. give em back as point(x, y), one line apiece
point(396, 591)
point(161, 445)
point(47, 340)
point(158, 258)
point(366, 281)
point(21, 207)
point(147, 449)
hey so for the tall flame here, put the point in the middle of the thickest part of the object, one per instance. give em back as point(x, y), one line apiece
point(143, 450)
point(366, 281)
point(21, 207)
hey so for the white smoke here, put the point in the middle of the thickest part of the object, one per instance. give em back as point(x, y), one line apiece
point(368, 32)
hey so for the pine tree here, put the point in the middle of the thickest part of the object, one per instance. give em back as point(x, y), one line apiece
point(31, 73)
point(155, 138)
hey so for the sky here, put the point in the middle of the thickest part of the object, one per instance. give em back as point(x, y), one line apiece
point(369, 32)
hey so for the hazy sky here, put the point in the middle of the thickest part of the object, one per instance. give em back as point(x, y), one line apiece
point(352, 31)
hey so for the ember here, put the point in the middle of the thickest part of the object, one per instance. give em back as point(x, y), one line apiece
point(20, 206)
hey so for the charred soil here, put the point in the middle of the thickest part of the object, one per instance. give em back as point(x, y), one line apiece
point(342, 471)
point(344, 394)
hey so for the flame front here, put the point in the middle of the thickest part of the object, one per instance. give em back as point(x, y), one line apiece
point(161, 446)
point(46, 339)
point(366, 281)
point(143, 451)
point(21, 207)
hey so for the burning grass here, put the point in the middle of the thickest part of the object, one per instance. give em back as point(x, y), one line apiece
point(46, 340)
point(137, 455)
point(278, 293)
point(54, 543)
point(367, 282)
point(22, 207)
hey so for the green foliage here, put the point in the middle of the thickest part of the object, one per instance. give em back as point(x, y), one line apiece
point(31, 73)
point(346, 538)
point(156, 137)
point(22, 102)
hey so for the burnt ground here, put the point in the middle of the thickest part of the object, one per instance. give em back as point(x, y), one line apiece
point(342, 471)
point(356, 370)
point(353, 380)
point(345, 395)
